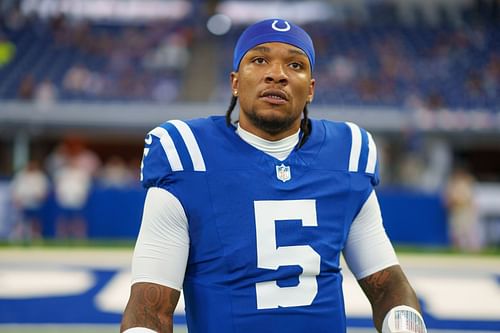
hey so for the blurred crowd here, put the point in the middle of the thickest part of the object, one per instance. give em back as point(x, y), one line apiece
point(95, 61)
point(382, 61)
point(435, 68)
point(68, 174)
point(385, 62)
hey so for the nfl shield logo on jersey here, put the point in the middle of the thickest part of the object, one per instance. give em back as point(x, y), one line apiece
point(283, 172)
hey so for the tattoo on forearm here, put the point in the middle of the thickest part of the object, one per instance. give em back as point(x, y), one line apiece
point(151, 306)
point(386, 289)
point(376, 283)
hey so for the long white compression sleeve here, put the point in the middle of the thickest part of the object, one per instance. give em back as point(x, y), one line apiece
point(368, 249)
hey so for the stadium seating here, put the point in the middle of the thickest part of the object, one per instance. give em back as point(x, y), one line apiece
point(95, 61)
point(402, 66)
point(381, 62)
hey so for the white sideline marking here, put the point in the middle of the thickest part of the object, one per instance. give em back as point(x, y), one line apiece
point(451, 287)
point(452, 297)
point(40, 282)
point(445, 296)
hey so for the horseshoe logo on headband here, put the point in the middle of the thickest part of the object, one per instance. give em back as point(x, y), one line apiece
point(286, 28)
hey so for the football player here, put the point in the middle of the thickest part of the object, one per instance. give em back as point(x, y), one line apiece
point(250, 218)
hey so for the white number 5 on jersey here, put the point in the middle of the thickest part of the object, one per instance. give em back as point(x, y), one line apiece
point(269, 294)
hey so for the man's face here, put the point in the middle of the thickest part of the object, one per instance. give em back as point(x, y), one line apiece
point(273, 84)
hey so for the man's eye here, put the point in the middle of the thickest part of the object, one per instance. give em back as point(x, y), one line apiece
point(259, 61)
point(296, 65)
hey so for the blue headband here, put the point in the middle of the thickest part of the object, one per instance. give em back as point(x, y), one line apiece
point(273, 30)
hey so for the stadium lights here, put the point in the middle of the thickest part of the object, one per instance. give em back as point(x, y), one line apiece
point(219, 24)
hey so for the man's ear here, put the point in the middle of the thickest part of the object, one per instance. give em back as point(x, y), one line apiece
point(310, 96)
point(234, 83)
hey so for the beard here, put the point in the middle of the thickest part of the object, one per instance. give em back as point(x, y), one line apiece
point(271, 124)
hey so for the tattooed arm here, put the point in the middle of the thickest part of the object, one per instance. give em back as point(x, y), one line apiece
point(160, 256)
point(386, 289)
point(152, 306)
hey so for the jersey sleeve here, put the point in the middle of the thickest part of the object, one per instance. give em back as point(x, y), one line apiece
point(169, 148)
point(162, 246)
point(363, 157)
point(156, 166)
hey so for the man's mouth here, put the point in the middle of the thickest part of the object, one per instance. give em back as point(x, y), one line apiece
point(274, 97)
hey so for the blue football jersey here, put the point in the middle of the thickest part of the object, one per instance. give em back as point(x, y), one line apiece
point(265, 235)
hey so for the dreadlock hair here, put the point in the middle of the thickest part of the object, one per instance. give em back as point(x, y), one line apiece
point(304, 127)
point(304, 124)
point(232, 104)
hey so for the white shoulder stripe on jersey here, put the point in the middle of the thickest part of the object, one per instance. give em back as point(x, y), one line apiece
point(168, 146)
point(355, 147)
point(372, 155)
point(191, 144)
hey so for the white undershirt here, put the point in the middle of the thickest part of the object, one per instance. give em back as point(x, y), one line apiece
point(162, 247)
point(278, 149)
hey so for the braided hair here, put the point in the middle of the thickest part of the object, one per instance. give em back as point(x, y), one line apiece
point(304, 124)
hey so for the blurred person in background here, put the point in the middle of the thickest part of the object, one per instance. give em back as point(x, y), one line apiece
point(76, 79)
point(76, 149)
point(26, 89)
point(73, 167)
point(73, 148)
point(72, 186)
point(115, 173)
point(463, 219)
point(250, 219)
point(56, 158)
point(45, 94)
point(171, 54)
point(30, 188)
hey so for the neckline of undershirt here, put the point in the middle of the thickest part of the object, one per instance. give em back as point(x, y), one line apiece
point(278, 149)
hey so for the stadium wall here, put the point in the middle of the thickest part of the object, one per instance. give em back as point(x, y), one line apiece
point(410, 217)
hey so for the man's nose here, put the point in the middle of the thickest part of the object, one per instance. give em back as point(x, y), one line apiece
point(277, 74)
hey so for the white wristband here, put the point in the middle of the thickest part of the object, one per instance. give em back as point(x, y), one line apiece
point(403, 319)
point(139, 330)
